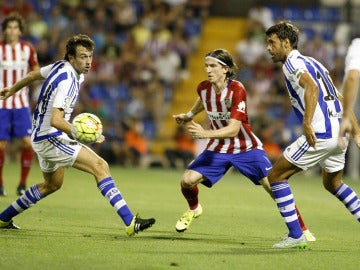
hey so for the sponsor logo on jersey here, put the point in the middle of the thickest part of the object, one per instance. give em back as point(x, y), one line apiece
point(219, 115)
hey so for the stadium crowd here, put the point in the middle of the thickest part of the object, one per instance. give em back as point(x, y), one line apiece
point(142, 49)
point(141, 54)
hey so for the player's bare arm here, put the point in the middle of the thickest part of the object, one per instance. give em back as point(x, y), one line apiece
point(350, 88)
point(31, 77)
point(311, 97)
point(58, 121)
point(231, 130)
point(186, 117)
point(349, 124)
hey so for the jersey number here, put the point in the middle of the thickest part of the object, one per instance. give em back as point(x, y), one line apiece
point(329, 96)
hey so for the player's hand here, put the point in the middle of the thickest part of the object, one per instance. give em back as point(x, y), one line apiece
point(345, 127)
point(181, 118)
point(100, 139)
point(5, 93)
point(196, 130)
point(310, 135)
point(357, 140)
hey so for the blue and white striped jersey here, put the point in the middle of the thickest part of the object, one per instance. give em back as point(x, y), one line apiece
point(328, 112)
point(60, 90)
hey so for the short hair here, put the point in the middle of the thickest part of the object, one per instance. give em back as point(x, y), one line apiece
point(285, 30)
point(78, 40)
point(13, 16)
point(224, 57)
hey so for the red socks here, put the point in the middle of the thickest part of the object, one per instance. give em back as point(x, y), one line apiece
point(302, 224)
point(191, 195)
point(2, 161)
point(27, 156)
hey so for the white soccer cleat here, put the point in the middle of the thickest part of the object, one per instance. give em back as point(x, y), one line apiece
point(289, 242)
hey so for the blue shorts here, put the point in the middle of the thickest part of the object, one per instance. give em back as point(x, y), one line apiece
point(253, 164)
point(15, 123)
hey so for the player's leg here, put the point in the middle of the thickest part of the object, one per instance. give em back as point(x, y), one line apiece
point(22, 129)
point(334, 184)
point(2, 162)
point(308, 234)
point(5, 116)
point(52, 182)
point(285, 201)
point(88, 161)
point(190, 191)
point(27, 155)
point(207, 168)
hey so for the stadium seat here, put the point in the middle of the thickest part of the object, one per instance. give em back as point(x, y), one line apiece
point(293, 14)
point(312, 14)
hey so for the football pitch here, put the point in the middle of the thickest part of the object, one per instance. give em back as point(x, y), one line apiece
point(76, 228)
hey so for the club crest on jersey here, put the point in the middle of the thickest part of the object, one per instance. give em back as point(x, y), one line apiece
point(297, 73)
point(227, 102)
point(67, 102)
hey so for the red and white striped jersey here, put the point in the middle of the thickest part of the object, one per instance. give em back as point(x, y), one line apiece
point(15, 63)
point(220, 108)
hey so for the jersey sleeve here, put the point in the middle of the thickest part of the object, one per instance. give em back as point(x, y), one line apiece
point(44, 71)
point(33, 59)
point(293, 68)
point(63, 99)
point(239, 107)
point(352, 60)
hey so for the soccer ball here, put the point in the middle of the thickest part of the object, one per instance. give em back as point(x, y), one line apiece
point(86, 128)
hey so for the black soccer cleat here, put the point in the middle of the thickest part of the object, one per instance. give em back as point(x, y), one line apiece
point(2, 191)
point(20, 190)
point(8, 225)
point(137, 225)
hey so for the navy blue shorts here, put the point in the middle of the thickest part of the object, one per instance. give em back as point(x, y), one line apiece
point(253, 164)
point(15, 123)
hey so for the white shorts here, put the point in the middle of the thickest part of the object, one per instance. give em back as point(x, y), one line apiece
point(56, 152)
point(326, 153)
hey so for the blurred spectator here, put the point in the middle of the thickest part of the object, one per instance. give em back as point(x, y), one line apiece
point(167, 66)
point(260, 13)
point(184, 150)
point(136, 145)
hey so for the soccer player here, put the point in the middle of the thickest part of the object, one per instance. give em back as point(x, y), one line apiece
point(17, 57)
point(231, 141)
point(51, 136)
point(350, 87)
point(317, 103)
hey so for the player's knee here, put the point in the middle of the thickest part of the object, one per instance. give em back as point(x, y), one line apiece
point(49, 188)
point(101, 168)
point(331, 187)
point(187, 182)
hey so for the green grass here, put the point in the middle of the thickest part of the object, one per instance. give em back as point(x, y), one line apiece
point(76, 228)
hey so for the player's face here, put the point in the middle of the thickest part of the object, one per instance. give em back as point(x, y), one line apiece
point(12, 32)
point(82, 60)
point(276, 49)
point(215, 71)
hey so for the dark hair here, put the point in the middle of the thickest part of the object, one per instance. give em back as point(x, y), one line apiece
point(13, 16)
point(285, 30)
point(78, 40)
point(225, 57)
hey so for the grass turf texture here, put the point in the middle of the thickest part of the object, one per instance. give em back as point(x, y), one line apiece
point(75, 228)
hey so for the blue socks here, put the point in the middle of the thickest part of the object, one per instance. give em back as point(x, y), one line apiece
point(286, 204)
point(112, 194)
point(28, 199)
point(349, 198)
